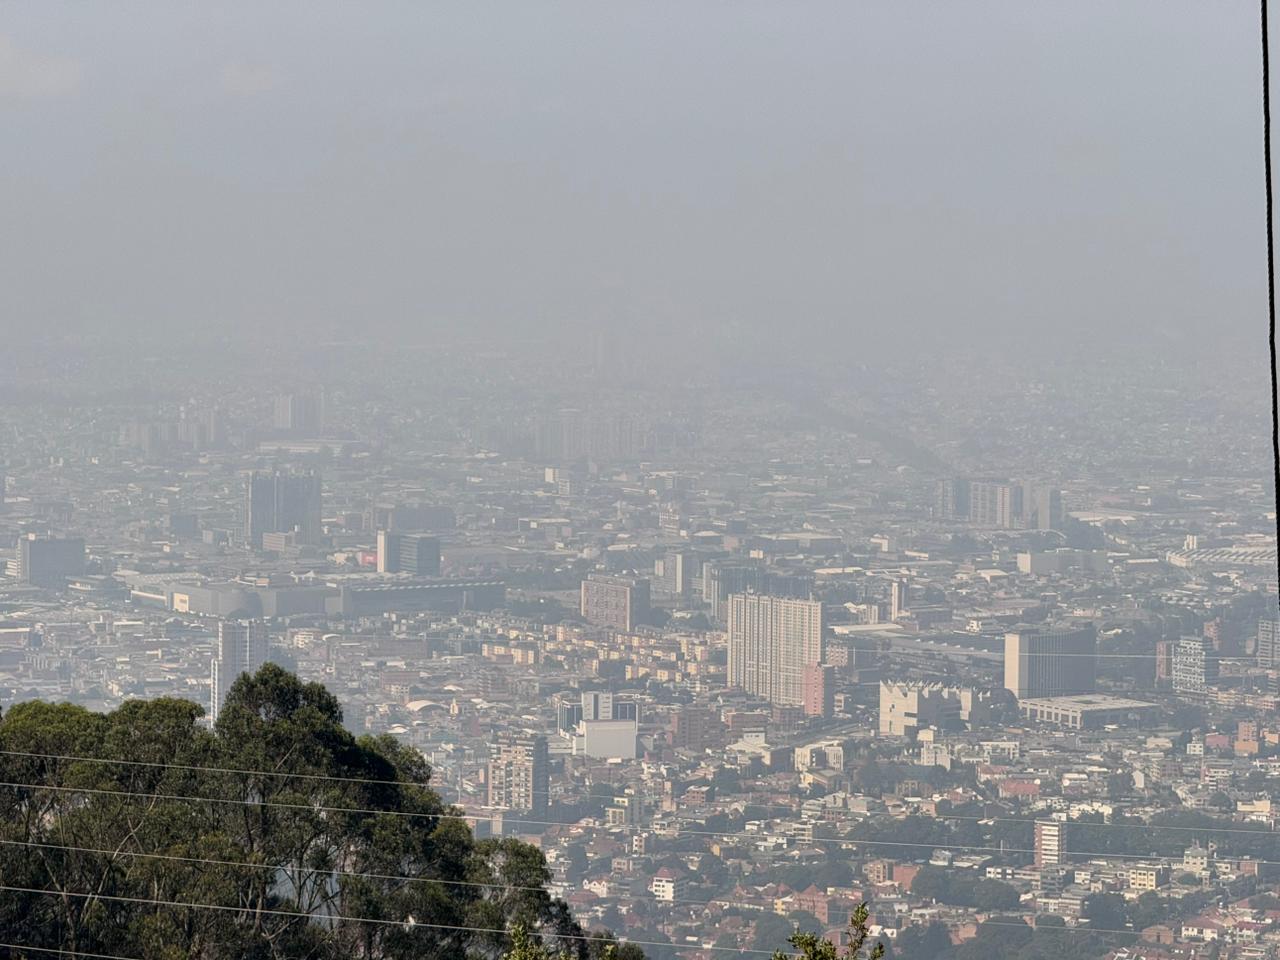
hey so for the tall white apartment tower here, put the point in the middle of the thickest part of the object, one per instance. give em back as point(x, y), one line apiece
point(1050, 849)
point(241, 648)
point(771, 641)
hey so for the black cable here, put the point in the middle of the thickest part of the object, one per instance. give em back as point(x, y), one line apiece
point(1271, 267)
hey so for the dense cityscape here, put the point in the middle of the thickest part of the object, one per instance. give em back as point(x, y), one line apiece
point(736, 659)
point(638, 481)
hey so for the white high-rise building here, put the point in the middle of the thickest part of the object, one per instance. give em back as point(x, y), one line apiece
point(1268, 648)
point(897, 598)
point(242, 648)
point(1195, 665)
point(771, 641)
point(1050, 848)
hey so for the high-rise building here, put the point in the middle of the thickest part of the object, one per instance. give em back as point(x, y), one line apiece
point(597, 705)
point(49, 561)
point(1050, 848)
point(519, 773)
point(411, 553)
point(1043, 507)
point(283, 503)
point(620, 603)
point(675, 572)
point(995, 504)
point(671, 519)
point(301, 414)
point(241, 648)
point(1000, 503)
point(1051, 661)
point(953, 499)
point(598, 725)
point(1165, 649)
point(1195, 665)
point(771, 641)
point(1269, 643)
point(608, 737)
point(720, 580)
point(694, 727)
point(897, 599)
point(819, 690)
point(571, 435)
point(568, 714)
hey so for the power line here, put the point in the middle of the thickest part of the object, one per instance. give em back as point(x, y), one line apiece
point(151, 764)
point(950, 651)
point(1089, 929)
point(227, 770)
point(1271, 262)
point(412, 924)
point(684, 901)
point(745, 835)
point(66, 952)
point(209, 861)
point(406, 924)
point(446, 815)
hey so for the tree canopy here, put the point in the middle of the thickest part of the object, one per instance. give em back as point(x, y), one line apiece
point(277, 834)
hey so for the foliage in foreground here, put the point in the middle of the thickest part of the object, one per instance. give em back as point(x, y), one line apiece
point(813, 947)
point(277, 835)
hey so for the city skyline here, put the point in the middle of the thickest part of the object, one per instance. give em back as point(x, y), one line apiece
point(644, 482)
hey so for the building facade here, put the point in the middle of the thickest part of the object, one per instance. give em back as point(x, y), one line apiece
point(49, 561)
point(283, 503)
point(1050, 846)
point(408, 553)
point(619, 603)
point(519, 774)
point(1268, 647)
point(1195, 665)
point(1054, 661)
point(242, 647)
point(771, 641)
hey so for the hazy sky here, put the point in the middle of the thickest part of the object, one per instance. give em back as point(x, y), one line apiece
point(896, 166)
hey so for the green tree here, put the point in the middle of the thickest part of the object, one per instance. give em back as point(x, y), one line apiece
point(276, 835)
point(813, 947)
point(989, 895)
point(805, 921)
point(1105, 911)
point(771, 931)
point(929, 941)
point(1148, 910)
point(932, 883)
point(525, 947)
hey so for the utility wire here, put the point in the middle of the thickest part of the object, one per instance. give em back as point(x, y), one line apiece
point(744, 835)
point(446, 814)
point(73, 758)
point(1271, 262)
point(207, 861)
point(460, 928)
point(66, 952)
point(302, 915)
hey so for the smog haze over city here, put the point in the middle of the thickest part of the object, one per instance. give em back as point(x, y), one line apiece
point(582, 481)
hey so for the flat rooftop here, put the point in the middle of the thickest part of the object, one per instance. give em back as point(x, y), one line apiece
point(1087, 701)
